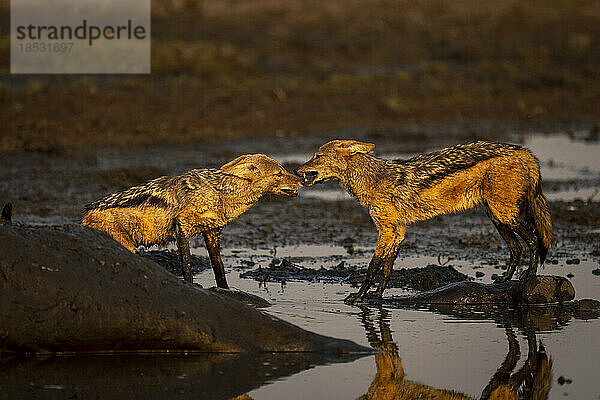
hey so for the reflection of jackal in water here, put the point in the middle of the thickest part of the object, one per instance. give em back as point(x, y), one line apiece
point(200, 201)
point(532, 381)
point(504, 178)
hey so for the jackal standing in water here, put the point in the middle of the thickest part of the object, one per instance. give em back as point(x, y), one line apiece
point(200, 201)
point(504, 178)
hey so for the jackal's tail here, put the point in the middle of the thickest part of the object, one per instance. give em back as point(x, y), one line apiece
point(542, 220)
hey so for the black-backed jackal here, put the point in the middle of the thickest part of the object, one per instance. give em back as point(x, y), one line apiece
point(504, 178)
point(200, 201)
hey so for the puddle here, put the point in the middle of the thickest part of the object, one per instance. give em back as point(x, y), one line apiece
point(563, 158)
point(443, 351)
point(321, 256)
point(560, 262)
point(309, 256)
point(436, 350)
point(575, 163)
point(325, 256)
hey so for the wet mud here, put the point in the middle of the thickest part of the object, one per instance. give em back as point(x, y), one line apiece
point(283, 270)
point(426, 278)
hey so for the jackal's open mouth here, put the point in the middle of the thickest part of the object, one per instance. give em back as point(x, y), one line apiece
point(309, 178)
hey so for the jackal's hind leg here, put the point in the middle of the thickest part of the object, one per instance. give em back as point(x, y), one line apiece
point(531, 240)
point(508, 234)
point(212, 239)
point(183, 246)
point(514, 247)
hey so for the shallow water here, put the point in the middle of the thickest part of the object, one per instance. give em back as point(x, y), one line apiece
point(457, 352)
point(563, 159)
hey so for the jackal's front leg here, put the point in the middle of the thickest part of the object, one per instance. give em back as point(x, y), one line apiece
point(386, 251)
point(395, 239)
point(183, 246)
point(212, 238)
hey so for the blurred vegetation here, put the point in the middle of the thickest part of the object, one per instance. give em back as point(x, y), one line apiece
point(230, 68)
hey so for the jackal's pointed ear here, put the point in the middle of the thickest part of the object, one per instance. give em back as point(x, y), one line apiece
point(241, 167)
point(351, 147)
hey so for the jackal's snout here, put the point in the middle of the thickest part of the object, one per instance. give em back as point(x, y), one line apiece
point(289, 185)
point(331, 160)
point(263, 172)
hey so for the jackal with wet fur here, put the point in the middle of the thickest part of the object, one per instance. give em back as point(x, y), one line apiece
point(174, 208)
point(504, 178)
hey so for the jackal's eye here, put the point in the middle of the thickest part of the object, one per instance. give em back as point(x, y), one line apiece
point(317, 156)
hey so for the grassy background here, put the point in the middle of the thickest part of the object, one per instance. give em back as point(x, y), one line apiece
point(232, 68)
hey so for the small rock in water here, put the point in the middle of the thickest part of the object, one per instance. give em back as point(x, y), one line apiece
point(479, 274)
point(548, 289)
point(596, 271)
point(573, 261)
point(494, 277)
point(587, 304)
point(562, 380)
point(569, 275)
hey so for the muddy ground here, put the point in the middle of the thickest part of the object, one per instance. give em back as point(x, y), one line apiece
point(50, 189)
